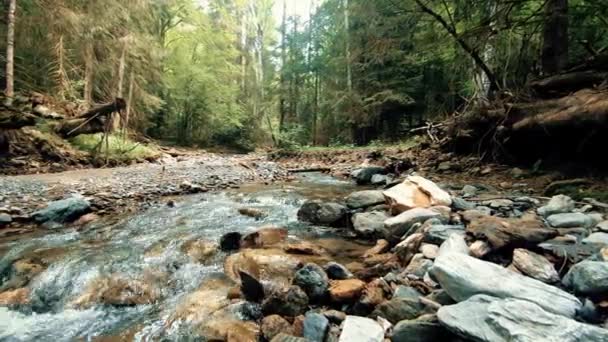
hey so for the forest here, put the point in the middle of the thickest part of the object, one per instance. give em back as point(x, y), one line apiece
point(254, 73)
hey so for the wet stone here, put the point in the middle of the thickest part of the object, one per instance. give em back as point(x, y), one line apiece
point(335, 270)
point(313, 280)
point(315, 327)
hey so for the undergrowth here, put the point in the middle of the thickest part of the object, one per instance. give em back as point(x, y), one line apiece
point(117, 148)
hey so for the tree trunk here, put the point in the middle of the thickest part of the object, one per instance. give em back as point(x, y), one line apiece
point(555, 37)
point(10, 52)
point(282, 102)
point(349, 76)
point(121, 71)
point(129, 101)
point(88, 74)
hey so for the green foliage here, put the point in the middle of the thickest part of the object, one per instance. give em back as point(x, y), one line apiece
point(118, 147)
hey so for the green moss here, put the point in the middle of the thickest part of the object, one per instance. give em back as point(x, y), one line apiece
point(117, 147)
point(404, 145)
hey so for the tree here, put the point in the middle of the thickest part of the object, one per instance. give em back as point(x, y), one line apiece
point(10, 52)
point(555, 36)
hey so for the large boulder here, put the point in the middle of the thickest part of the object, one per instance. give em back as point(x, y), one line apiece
point(369, 224)
point(364, 176)
point(491, 319)
point(313, 280)
point(557, 205)
point(535, 266)
point(63, 211)
point(364, 199)
point(396, 227)
point(588, 277)
point(463, 276)
point(571, 220)
point(501, 232)
point(361, 329)
point(322, 213)
point(416, 192)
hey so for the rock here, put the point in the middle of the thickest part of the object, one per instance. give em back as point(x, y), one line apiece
point(407, 248)
point(251, 288)
point(379, 179)
point(398, 309)
point(407, 292)
point(588, 277)
point(286, 302)
point(364, 199)
point(499, 204)
point(444, 166)
point(500, 232)
point(460, 204)
point(252, 212)
point(298, 325)
point(479, 249)
point(396, 227)
point(63, 211)
point(86, 219)
point(490, 319)
point(313, 280)
point(118, 291)
point(361, 329)
point(462, 277)
point(441, 297)
point(381, 246)
point(288, 338)
point(322, 213)
point(268, 264)
point(596, 239)
point(346, 290)
point(429, 251)
point(418, 266)
point(304, 248)
point(602, 226)
point(469, 191)
point(454, 244)
point(420, 330)
point(5, 219)
point(416, 192)
point(364, 176)
point(437, 234)
point(16, 297)
point(335, 316)
point(558, 204)
point(369, 224)
point(230, 242)
point(535, 266)
point(274, 325)
point(199, 250)
point(570, 220)
point(315, 327)
point(337, 271)
point(264, 237)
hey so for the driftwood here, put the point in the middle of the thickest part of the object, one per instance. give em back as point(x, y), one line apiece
point(92, 121)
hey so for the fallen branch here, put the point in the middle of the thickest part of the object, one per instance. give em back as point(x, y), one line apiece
point(313, 169)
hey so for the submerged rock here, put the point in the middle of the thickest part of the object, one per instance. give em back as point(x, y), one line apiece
point(369, 224)
point(63, 211)
point(361, 329)
point(486, 318)
point(588, 277)
point(16, 297)
point(462, 277)
point(535, 266)
point(322, 213)
point(118, 291)
point(364, 199)
point(199, 250)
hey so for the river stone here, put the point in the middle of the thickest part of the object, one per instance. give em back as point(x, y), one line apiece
point(469, 190)
point(264, 236)
point(286, 302)
point(558, 204)
point(398, 309)
point(313, 280)
point(506, 232)
point(588, 277)
point(602, 226)
point(288, 338)
point(322, 213)
point(346, 290)
point(364, 176)
point(274, 325)
point(490, 319)
point(361, 329)
point(379, 179)
point(597, 239)
point(251, 288)
point(408, 292)
point(437, 234)
point(429, 251)
point(369, 224)
point(535, 266)
point(337, 271)
point(63, 211)
point(570, 220)
point(364, 199)
point(455, 243)
point(416, 192)
point(420, 330)
point(418, 266)
point(5, 219)
point(463, 276)
point(396, 227)
point(315, 327)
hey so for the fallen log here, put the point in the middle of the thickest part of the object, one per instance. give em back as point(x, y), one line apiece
point(106, 109)
point(312, 169)
point(92, 121)
point(14, 120)
point(563, 84)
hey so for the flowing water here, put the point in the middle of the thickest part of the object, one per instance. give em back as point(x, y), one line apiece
point(138, 247)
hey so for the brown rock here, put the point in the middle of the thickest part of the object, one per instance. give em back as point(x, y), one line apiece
point(407, 248)
point(273, 325)
point(375, 292)
point(234, 293)
point(381, 246)
point(298, 325)
point(379, 259)
point(118, 291)
point(513, 233)
point(199, 250)
point(416, 192)
point(304, 248)
point(379, 270)
point(264, 237)
point(345, 290)
point(252, 212)
point(16, 297)
point(86, 219)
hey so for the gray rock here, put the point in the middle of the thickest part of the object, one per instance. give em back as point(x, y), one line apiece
point(460, 204)
point(408, 292)
point(379, 179)
point(469, 191)
point(63, 211)
point(419, 330)
point(490, 319)
point(364, 199)
point(364, 175)
point(315, 327)
point(499, 203)
point(313, 280)
point(369, 224)
point(484, 210)
point(558, 204)
point(602, 226)
point(597, 239)
point(588, 277)
point(337, 271)
point(535, 266)
point(361, 329)
point(463, 276)
point(439, 233)
point(454, 244)
point(570, 220)
point(322, 213)
point(398, 309)
point(396, 227)
point(5, 219)
point(418, 266)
